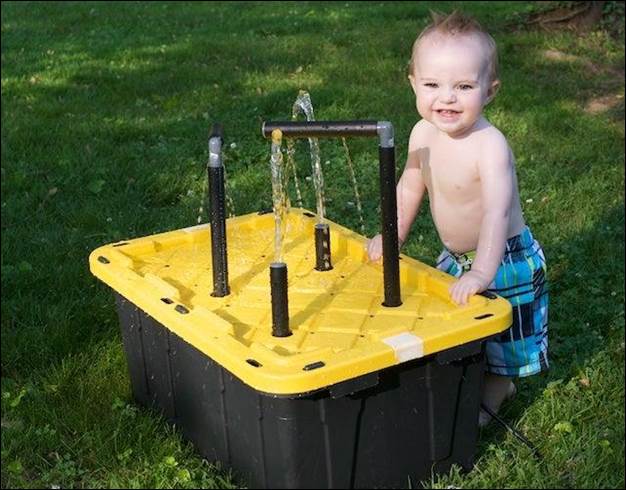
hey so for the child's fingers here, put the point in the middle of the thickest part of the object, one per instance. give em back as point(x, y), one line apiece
point(455, 293)
point(468, 290)
point(371, 253)
point(462, 295)
point(374, 248)
point(461, 291)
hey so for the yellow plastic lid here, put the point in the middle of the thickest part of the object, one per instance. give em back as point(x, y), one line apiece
point(340, 328)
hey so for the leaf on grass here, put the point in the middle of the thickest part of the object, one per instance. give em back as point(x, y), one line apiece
point(117, 404)
point(170, 461)
point(25, 266)
point(563, 427)
point(51, 388)
point(96, 186)
point(125, 455)
point(15, 467)
point(16, 401)
point(183, 475)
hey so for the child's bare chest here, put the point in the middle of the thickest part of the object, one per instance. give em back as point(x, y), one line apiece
point(451, 172)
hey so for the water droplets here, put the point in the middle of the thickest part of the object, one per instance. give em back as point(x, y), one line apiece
point(304, 105)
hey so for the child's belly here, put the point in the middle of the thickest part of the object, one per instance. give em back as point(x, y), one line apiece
point(458, 226)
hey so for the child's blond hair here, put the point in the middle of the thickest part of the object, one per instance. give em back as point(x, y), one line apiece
point(454, 24)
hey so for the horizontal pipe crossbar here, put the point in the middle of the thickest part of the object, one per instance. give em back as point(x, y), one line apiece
point(320, 129)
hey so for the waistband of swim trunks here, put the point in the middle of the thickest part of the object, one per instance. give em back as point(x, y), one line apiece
point(514, 244)
point(464, 256)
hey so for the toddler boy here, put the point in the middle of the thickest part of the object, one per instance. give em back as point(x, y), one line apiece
point(468, 170)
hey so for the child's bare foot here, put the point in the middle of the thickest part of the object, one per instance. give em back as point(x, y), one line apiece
point(496, 389)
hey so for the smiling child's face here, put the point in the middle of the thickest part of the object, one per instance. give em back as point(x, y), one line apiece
point(451, 81)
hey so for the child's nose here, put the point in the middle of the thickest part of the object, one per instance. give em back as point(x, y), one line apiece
point(447, 95)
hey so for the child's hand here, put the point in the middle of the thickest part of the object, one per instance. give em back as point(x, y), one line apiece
point(469, 284)
point(375, 248)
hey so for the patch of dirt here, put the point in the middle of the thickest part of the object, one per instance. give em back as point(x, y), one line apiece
point(605, 103)
point(556, 55)
point(578, 16)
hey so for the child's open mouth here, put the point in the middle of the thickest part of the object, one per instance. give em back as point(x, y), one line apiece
point(446, 113)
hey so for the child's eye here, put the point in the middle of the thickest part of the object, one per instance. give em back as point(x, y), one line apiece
point(430, 85)
point(466, 87)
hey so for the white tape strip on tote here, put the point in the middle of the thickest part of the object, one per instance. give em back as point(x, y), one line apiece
point(406, 346)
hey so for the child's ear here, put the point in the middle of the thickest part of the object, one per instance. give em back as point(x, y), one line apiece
point(492, 91)
point(413, 83)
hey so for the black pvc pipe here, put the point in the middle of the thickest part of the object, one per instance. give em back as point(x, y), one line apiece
point(324, 129)
point(389, 217)
point(215, 171)
point(322, 247)
point(280, 303)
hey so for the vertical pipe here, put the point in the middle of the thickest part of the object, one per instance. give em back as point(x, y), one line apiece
point(322, 247)
point(389, 216)
point(215, 170)
point(278, 269)
point(280, 304)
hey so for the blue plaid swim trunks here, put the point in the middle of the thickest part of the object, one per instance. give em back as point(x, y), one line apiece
point(521, 350)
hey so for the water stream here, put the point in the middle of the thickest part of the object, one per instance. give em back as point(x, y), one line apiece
point(303, 104)
point(280, 198)
point(291, 165)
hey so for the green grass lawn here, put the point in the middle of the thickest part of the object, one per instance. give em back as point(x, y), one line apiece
point(106, 109)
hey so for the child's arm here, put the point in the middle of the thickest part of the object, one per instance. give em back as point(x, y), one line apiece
point(496, 176)
point(409, 193)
